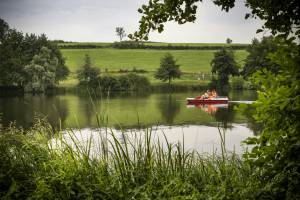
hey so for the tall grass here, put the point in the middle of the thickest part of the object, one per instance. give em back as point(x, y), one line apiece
point(34, 167)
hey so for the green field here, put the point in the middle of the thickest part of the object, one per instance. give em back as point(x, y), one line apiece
point(100, 44)
point(106, 44)
point(112, 60)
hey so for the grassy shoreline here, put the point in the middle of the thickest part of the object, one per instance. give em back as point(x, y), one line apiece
point(31, 168)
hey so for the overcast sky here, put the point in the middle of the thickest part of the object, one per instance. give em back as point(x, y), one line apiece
point(95, 20)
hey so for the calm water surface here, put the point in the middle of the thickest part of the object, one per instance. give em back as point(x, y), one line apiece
point(166, 113)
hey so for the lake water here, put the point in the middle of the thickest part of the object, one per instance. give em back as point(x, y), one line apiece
point(163, 112)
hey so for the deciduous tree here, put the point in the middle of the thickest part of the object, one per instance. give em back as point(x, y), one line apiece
point(121, 33)
point(257, 59)
point(281, 17)
point(224, 65)
point(41, 71)
point(17, 50)
point(228, 41)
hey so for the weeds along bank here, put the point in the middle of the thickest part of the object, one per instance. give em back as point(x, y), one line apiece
point(31, 168)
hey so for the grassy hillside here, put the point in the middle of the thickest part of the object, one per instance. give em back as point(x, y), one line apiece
point(116, 59)
point(112, 60)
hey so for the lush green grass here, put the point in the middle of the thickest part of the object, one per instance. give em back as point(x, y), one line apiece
point(116, 59)
point(100, 44)
point(192, 62)
point(142, 168)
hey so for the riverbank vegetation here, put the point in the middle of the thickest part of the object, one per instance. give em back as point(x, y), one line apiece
point(34, 167)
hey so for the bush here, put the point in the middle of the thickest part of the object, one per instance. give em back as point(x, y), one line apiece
point(134, 70)
point(138, 83)
point(109, 83)
point(128, 82)
point(125, 82)
point(249, 85)
point(237, 83)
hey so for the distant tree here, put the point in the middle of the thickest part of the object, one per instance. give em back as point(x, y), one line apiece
point(41, 71)
point(3, 29)
point(88, 75)
point(11, 59)
point(228, 41)
point(168, 69)
point(258, 59)
point(121, 33)
point(224, 65)
point(17, 51)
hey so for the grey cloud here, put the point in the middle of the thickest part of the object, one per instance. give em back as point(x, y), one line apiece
point(95, 20)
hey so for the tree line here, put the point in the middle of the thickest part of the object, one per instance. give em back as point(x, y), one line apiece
point(142, 45)
point(29, 61)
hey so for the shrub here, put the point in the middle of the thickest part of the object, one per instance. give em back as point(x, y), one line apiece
point(249, 85)
point(109, 83)
point(128, 82)
point(138, 83)
point(237, 83)
point(125, 82)
point(136, 70)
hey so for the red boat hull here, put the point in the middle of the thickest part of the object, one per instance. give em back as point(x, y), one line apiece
point(207, 101)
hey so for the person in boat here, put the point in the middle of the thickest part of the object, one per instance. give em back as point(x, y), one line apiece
point(214, 94)
point(204, 96)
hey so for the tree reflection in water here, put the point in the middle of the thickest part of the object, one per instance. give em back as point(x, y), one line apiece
point(169, 108)
point(23, 110)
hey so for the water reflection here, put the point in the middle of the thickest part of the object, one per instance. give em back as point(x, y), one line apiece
point(223, 113)
point(225, 116)
point(203, 139)
point(169, 107)
point(125, 110)
point(24, 109)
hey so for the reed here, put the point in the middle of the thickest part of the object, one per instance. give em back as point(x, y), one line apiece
point(36, 166)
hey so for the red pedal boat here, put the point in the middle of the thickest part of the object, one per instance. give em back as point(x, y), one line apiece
point(214, 100)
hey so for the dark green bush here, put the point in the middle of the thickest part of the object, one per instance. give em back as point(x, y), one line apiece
point(237, 83)
point(128, 82)
point(109, 83)
point(137, 82)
